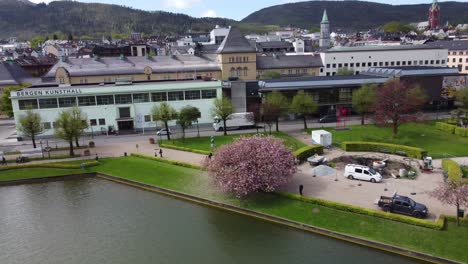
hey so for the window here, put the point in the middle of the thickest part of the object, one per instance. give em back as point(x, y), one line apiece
point(141, 98)
point(105, 99)
point(460, 53)
point(321, 69)
point(192, 95)
point(46, 125)
point(239, 72)
point(147, 118)
point(358, 170)
point(246, 71)
point(86, 100)
point(333, 65)
point(328, 66)
point(102, 121)
point(123, 98)
point(437, 61)
point(175, 96)
point(392, 63)
point(432, 61)
point(208, 94)
point(159, 97)
point(397, 203)
point(460, 60)
point(93, 122)
point(366, 172)
point(346, 64)
point(48, 103)
point(351, 65)
point(386, 63)
point(233, 72)
point(409, 62)
point(369, 64)
point(375, 64)
point(27, 104)
point(381, 63)
point(305, 70)
point(406, 204)
point(328, 74)
point(340, 65)
point(67, 102)
point(358, 64)
point(426, 62)
point(398, 63)
point(403, 63)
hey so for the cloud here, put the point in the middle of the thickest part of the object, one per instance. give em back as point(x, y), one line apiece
point(209, 13)
point(180, 4)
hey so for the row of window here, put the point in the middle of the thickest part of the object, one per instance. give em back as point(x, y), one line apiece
point(386, 63)
point(238, 59)
point(239, 72)
point(92, 122)
point(460, 60)
point(457, 52)
point(115, 99)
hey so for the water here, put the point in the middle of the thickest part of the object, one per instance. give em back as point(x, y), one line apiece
point(96, 221)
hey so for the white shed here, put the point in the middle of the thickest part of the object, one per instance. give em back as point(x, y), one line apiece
point(321, 137)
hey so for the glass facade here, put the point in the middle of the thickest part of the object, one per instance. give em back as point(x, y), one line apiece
point(67, 102)
point(86, 100)
point(123, 99)
point(105, 99)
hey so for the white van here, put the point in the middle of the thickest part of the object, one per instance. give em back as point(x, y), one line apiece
point(359, 172)
point(235, 120)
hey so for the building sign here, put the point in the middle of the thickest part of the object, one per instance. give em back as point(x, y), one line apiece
point(33, 92)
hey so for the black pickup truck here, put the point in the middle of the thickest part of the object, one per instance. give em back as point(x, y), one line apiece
point(402, 205)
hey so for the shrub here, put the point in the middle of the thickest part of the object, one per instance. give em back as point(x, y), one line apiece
point(50, 165)
point(446, 127)
point(303, 153)
point(412, 152)
point(170, 146)
point(453, 169)
point(439, 225)
point(169, 161)
point(461, 131)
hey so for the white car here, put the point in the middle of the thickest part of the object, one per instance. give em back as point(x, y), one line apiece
point(163, 132)
point(359, 172)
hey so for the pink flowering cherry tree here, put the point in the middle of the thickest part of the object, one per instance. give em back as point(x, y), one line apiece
point(252, 164)
point(452, 193)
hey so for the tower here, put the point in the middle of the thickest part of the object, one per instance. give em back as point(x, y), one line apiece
point(324, 31)
point(434, 15)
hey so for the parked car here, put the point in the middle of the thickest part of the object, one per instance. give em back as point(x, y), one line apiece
point(359, 172)
point(328, 119)
point(163, 132)
point(402, 205)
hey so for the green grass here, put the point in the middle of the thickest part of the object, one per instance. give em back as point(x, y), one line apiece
point(29, 173)
point(203, 143)
point(438, 143)
point(447, 243)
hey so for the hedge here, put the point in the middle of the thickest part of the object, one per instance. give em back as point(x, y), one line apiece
point(461, 131)
point(453, 170)
point(169, 161)
point(303, 153)
point(50, 165)
point(439, 225)
point(402, 150)
point(170, 146)
point(446, 127)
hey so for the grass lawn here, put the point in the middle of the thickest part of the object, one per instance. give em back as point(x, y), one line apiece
point(203, 143)
point(439, 144)
point(448, 243)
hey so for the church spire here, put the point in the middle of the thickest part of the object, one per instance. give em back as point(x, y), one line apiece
point(325, 17)
point(434, 3)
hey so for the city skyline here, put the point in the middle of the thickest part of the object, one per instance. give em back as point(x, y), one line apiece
point(212, 8)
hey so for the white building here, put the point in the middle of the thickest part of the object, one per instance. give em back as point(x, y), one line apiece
point(126, 107)
point(362, 58)
point(218, 34)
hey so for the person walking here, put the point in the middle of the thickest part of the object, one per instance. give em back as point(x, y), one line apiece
point(4, 162)
point(301, 188)
point(160, 153)
point(210, 155)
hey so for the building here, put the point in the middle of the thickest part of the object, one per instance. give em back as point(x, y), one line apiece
point(289, 66)
point(274, 47)
point(12, 74)
point(37, 66)
point(457, 53)
point(361, 58)
point(116, 108)
point(324, 41)
point(434, 16)
point(218, 34)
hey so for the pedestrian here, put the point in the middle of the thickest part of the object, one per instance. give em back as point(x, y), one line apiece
point(301, 188)
point(210, 155)
point(97, 157)
point(4, 162)
point(160, 153)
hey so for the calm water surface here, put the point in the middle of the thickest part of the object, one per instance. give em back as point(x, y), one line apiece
point(96, 221)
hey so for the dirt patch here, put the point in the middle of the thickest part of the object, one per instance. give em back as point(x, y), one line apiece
point(392, 167)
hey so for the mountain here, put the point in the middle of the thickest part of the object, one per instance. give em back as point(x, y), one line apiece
point(354, 14)
point(24, 19)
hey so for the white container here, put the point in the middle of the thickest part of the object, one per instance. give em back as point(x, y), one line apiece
point(321, 137)
point(402, 172)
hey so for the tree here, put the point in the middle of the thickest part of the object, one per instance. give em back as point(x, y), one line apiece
point(345, 71)
point(79, 123)
point(222, 109)
point(164, 113)
point(187, 115)
point(314, 29)
point(397, 27)
point(269, 114)
point(256, 116)
point(364, 99)
point(36, 42)
point(303, 104)
point(462, 97)
point(5, 102)
point(452, 193)
point(270, 74)
point(277, 106)
point(55, 37)
point(30, 125)
point(396, 102)
point(65, 129)
point(70, 37)
point(252, 164)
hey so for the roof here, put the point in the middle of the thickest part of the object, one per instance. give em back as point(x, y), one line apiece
point(379, 48)
point(235, 42)
point(325, 17)
point(411, 71)
point(450, 45)
point(136, 65)
point(12, 74)
point(319, 82)
point(283, 61)
point(274, 44)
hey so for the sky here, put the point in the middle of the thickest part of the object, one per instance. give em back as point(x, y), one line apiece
point(237, 9)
